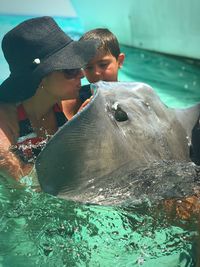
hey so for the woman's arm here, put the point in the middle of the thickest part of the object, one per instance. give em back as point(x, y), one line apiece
point(10, 164)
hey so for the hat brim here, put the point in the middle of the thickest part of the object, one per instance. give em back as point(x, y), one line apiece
point(72, 56)
point(17, 89)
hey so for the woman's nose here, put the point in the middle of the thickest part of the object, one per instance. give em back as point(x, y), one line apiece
point(81, 74)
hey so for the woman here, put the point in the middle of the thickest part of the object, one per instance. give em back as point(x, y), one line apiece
point(45, 66)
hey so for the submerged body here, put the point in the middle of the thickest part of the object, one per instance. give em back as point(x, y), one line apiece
point(124, 132)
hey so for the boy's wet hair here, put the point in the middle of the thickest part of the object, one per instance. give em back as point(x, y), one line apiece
point(108, 41)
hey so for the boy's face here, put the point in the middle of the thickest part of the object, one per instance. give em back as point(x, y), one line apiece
point(103, 67)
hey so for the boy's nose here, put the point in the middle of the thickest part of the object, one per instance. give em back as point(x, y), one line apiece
point(97, 70)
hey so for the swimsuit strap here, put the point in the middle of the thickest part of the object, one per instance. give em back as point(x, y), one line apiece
point(24, 123)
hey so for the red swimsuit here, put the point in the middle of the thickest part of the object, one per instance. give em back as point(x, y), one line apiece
point(29, 145)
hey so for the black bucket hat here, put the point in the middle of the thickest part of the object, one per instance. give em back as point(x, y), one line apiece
point(35, 48)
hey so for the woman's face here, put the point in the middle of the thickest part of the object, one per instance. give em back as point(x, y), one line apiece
point(63, 84)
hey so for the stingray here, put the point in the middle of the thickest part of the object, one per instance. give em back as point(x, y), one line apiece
point(125, 145)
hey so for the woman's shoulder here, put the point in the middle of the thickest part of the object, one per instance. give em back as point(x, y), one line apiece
point(9, 120)
point(8, 112)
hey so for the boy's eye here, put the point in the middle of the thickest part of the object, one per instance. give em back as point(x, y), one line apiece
point(99, 65)
point(103, 65)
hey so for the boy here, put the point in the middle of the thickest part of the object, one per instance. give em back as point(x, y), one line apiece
point(103, 66)
point(106, 63)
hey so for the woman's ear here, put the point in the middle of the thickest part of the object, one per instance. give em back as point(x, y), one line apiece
point(121, 58)
point(43, 82)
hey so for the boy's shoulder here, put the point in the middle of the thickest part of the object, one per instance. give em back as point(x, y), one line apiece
point(85, 92)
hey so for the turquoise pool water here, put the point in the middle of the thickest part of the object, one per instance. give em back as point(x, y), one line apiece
point(40, 230)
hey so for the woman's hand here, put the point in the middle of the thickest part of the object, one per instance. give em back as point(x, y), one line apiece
point(11, 165)
point(85, 103)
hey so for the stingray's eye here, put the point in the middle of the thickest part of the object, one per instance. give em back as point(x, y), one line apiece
point(119, 113)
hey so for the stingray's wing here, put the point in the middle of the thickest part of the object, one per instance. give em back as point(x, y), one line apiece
point(188, 117)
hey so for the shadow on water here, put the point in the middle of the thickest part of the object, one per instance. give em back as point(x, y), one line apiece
point(40, 230)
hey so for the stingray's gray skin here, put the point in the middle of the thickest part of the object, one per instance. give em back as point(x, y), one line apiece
point(126, 144)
